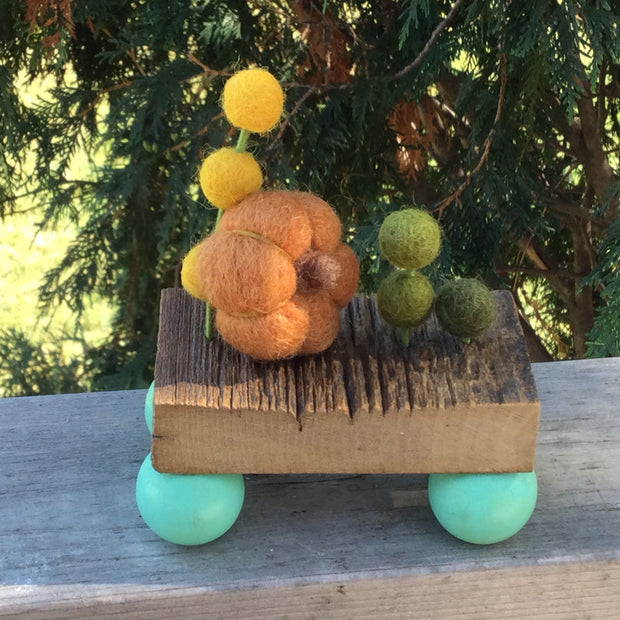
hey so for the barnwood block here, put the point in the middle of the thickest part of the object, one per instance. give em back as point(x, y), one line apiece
point(367, 405)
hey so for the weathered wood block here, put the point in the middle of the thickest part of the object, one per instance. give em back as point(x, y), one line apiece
point(367, 405)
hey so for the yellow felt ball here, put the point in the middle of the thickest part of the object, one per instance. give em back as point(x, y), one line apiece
point(253, 100)
point(189, 278)
point(227, 176)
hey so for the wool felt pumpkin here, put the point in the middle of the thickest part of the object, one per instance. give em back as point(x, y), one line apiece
point(323, 321)
point(325, 224)
point(276, 335)
point(277, 274)
point(241, 274)
point(348, 278)
point(277, 216)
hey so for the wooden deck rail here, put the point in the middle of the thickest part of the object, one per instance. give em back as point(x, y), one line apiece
point(73, 545)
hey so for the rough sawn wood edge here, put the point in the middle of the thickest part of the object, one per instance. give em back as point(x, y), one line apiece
point(368, 404)
point(367, 369)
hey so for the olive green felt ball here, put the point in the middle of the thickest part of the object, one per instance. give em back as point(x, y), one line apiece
point(405, 298)
point(410, 238)
point(465, 307)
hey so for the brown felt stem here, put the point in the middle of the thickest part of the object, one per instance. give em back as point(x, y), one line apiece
point(316, 270)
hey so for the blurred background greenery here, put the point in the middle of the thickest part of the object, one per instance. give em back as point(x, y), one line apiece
point(501, 118)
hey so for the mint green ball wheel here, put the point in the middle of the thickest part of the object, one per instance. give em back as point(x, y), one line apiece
point(148, 407)
point(188, 509)
point(483, 508)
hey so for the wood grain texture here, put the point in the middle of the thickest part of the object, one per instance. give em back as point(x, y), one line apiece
point(367, 405)
point(584, 591)
point(73, 545)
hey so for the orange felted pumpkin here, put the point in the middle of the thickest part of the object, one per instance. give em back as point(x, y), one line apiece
point(277, 274)
point(244, 274)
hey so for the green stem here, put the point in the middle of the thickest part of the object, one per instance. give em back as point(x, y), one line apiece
point(208, 321)
point(242, 140)
point(218, 217)
point(404, 336)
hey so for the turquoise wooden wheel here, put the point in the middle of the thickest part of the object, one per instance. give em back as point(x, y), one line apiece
point(483, 508)
point(186, 509)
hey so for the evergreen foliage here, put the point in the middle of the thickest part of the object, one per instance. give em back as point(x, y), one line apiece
point(502, 118)
point(36, 368)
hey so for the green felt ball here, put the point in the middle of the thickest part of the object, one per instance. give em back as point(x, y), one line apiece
point(410, 238)
point(188, 509)
point(465, 307)
point(405, 298)
point(483, 508)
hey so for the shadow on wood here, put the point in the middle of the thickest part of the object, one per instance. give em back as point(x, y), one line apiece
point(367, 405)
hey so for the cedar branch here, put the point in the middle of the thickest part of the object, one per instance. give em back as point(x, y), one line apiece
point(533, 304)
point(544, 273)
point(542, 263)
point(586, 140)
point(417, 61)
point(486, 145)
point(292, 113)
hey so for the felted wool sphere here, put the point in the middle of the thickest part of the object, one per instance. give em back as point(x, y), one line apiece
point(323, 321)
point(189, 274)
point(253, 99)
point(227, 176)
point(273, 336)
point(244, 275)
point(465, 307)
point(347, 282)
point(325, 224)
point(410, 238)
point(405, 298)
point(274, 215)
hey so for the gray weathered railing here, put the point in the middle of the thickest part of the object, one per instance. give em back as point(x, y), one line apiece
point(73, 544)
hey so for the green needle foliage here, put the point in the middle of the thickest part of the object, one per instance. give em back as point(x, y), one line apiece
point(502, 118)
